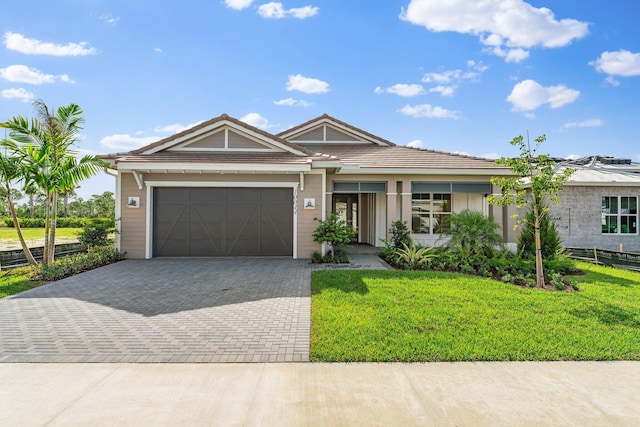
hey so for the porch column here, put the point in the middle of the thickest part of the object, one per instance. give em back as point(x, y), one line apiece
point(406, 202)
point(392, 214)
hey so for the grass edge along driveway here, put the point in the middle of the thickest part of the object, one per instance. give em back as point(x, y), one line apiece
point(412, 316)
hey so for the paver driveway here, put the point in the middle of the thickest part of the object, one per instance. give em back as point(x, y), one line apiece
point(164, 310)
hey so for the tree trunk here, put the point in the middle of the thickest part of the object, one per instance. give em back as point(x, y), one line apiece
point(16, 225)
point(52, 228)
point(536, 227)
point(31, 206)
point(47, 227)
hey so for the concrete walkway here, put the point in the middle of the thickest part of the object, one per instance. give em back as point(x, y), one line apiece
point(303, 394)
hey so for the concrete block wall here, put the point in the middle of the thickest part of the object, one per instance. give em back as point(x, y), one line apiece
point(579, 218)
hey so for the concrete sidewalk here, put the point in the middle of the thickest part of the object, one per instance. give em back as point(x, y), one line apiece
point(302, 394)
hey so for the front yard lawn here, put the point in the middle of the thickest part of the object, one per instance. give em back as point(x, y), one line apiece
point(16, 281)
point(413, 316)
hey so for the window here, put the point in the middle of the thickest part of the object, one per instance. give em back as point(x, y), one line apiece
point(619, 215)
point(431, 213)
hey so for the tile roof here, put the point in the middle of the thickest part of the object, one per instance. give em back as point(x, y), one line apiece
point(210, 157)
point(399, 157)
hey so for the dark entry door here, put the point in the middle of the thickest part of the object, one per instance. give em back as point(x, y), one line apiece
point(222, 221)
point(346, 206)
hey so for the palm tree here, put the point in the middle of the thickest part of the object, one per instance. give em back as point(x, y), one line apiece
point(9, 171)
point(43, 146)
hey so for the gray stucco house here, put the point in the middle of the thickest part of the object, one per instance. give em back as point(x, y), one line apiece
point(599, 204)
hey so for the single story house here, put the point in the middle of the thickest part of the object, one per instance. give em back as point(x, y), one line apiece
point(225, 188)
point(599, 204)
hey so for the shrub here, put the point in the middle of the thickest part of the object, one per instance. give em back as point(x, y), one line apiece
point(472, 233)
point(414, 257)
point(334, 231)
point(338, 257)
point(400, 235)
point(95, 234)
point(550, 242)
point(74, 264)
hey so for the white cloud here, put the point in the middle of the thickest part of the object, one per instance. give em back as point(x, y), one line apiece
point(401, 89)
point(492, 156)
point(110, 19)
point(19, 43)
point(430, 112)
point(256, 120)
point(158, 50)
point(574, 157)
point(618, 63)
point(416, 143)
point(590, 123)
point(18, 93)
point(303, 12)
point(290, 102)
point(448, 80)
point(275, 10)
point(530, 116)
point(503, 25)
point(443, 90)
point(174, 128)
point(24, 74)
point(612, 81)
point(528, 95)
point(126, 141)
point(238, 4)
point(449, 76)
point(307, 84)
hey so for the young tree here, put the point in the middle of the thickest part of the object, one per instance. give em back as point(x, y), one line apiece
point(334, 231)
point(44, 148)
point(9, 171)
point(534, 180)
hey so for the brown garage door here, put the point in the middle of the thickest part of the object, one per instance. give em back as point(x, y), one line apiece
point(222, 221)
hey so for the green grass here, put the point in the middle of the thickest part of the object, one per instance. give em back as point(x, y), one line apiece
point(15, 281)
point(34, 236)
point(429, 316)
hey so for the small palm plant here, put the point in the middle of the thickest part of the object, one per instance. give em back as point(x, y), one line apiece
point(414, 257)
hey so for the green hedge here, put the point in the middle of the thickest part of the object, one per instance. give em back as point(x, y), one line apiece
point(62, 222)
point(74, 264)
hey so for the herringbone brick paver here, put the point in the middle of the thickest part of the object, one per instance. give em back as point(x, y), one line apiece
point(164, 310)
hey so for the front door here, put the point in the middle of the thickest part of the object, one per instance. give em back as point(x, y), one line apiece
point(346, 206)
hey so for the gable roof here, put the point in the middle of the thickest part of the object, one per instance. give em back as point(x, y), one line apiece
point(326, 119)
point(199, 148)
point(218, 122)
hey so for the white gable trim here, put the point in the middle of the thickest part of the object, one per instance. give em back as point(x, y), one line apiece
point(184, 146)
point(337, 126)
point(208, 130)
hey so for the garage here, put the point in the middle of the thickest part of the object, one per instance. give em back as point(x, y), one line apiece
point(218, 222)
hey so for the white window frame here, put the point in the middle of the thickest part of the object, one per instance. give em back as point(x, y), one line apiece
point(619, 215)
point(431, 211)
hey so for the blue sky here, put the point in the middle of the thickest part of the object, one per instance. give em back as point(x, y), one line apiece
point(461, 75)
